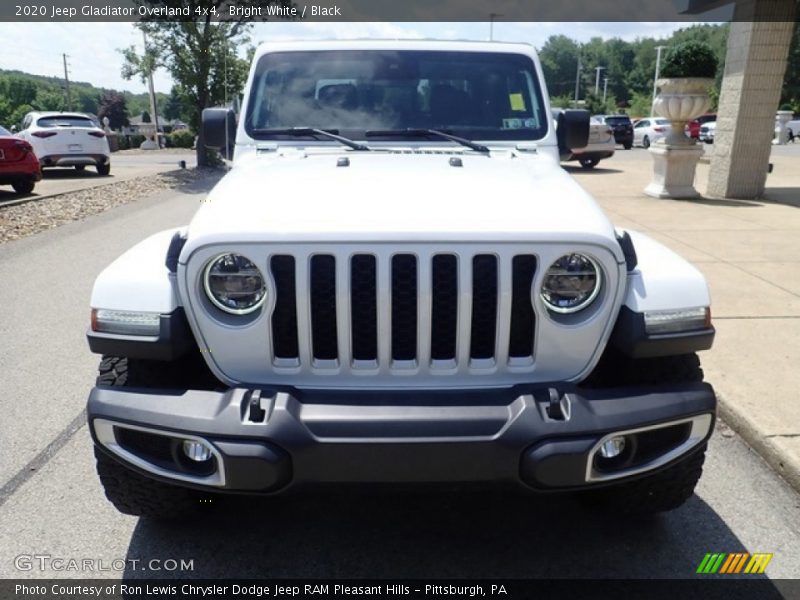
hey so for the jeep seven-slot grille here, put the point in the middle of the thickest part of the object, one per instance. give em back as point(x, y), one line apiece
point(409, 305)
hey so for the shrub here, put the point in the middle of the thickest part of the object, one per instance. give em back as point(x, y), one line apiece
point(689, 59)
point(183, 138)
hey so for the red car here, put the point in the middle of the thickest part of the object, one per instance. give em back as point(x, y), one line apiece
point(693, 127)
point(19, 166)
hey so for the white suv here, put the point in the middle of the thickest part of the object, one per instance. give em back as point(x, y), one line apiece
point(61, 139)
point(397, 283)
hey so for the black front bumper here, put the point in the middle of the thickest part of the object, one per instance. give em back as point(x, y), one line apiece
point(542, 437)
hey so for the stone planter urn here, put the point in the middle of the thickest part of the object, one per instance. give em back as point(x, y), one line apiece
point(148, 130)
point(675, 156)
point(782, 118)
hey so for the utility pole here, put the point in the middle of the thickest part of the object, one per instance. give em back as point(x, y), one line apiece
point(151, 88)
point(577, 80)
point(67, 98)
point(597, 80)
point(492, 17)
point(605, 88)
point(655, 79)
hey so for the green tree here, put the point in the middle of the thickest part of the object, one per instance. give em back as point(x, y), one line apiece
point(174, 106)
point(559, 58)
point(791, 83)
point(199, 55)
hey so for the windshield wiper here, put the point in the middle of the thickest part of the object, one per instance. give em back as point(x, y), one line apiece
point(428, 133)
point(311, 132)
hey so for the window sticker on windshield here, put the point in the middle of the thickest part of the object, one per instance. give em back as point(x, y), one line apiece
point(512, 123)
point(517, 102)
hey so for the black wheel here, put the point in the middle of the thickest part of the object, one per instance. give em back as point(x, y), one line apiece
point(24, 186)
point(628, 146)
point(645, 142)
point(80, 168)
point(588, 163)
point(134, 494)
point(104, 169)
point(667, 489)
point(130, 492)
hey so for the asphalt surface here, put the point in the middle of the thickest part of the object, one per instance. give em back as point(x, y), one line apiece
point(51, 502)
point(124, 166)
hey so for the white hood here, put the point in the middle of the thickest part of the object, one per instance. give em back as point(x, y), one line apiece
point(305, 197)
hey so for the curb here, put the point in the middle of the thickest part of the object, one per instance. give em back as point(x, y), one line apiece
point(782, 463)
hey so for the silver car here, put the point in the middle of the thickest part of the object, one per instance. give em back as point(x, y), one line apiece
point(649, 130)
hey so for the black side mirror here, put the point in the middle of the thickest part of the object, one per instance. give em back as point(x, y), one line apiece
point(219, 128)
point(572, 130)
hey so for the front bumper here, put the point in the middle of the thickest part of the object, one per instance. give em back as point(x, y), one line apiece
point(545, 438)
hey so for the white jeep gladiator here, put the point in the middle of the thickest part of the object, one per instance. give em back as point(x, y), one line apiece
point(397, 283)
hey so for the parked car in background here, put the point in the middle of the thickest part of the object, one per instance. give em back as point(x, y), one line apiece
point(600, 145)
point(649, 130)
point(693, 127)
point(793, 130)
point(67, 140)
point(621, 126)
point(707, 132)
point(19, 166)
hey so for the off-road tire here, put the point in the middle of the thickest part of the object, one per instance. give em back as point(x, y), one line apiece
point(104, 170)
point(23, 187)
point(628, 146)
point(667, 489)
point(130, 492)
point(661, 492)
point(134, 494)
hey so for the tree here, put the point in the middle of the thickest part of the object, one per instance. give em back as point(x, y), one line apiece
point(791, 82)
point(200, 55)
point(113, 106)
point(559, 58)
point(146, 118)
point(174, 107)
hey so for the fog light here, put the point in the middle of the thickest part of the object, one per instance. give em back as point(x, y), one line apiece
point(613, 447)
point(196, 451)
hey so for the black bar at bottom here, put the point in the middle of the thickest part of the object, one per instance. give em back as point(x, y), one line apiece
point(706, 587)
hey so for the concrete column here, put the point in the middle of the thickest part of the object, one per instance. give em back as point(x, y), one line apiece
point(758, 46)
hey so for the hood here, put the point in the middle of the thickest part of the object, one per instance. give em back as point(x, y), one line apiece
point(380, 196)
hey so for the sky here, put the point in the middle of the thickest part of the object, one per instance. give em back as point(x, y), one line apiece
point(93, 56)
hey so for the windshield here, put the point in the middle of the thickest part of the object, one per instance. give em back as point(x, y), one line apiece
point(618, 120)
point(485, 96)
point(4, 131)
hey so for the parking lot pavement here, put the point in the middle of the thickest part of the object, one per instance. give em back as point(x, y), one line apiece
point(124, 165)
point(748, 251)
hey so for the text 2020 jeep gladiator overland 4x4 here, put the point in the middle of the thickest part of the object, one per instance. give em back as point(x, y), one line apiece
point(397, 283)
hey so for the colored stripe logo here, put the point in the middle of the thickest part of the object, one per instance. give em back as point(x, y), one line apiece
point(736, 562)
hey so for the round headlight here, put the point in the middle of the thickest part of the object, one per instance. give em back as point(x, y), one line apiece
point(234, 284)
point(571, 284)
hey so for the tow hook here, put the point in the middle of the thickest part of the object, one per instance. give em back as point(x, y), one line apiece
point(558, 407)
point(256, 412)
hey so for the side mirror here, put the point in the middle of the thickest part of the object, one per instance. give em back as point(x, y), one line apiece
point(572, 130)
point(219, 128)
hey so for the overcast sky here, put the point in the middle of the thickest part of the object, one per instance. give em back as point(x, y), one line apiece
point(93, 57)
